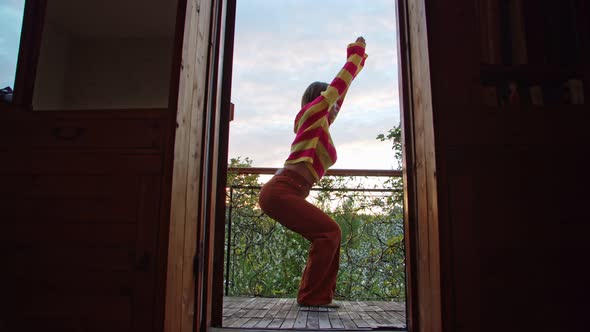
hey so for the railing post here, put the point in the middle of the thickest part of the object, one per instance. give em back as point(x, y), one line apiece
point(228, 249)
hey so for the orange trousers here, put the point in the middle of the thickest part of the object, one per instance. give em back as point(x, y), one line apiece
point(283, 199)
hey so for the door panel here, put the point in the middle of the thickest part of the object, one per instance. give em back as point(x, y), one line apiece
point(219, 162)
point(79, 227)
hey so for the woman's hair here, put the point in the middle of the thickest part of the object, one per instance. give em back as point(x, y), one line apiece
point(312, 92)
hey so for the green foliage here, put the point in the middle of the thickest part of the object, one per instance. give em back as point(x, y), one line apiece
point(395, 136)
point(372, 252)
point(266, 259)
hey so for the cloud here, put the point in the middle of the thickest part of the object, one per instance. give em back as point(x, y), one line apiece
point(11, 14)
point(262, 129)
point(282, 46)
point(366, 154)
point(268, 147)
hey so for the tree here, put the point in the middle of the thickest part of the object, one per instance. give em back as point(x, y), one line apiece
point(266, 259)
point(395, 136)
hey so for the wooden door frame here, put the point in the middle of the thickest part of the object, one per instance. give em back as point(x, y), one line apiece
point(424, 306)
point(184, 264)
point(194, 209)
point(226, 31)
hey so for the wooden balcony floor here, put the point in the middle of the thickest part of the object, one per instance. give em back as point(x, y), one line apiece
point(273, 313)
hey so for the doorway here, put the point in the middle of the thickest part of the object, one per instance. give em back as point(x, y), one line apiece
point(275, 55)
point(420, 209)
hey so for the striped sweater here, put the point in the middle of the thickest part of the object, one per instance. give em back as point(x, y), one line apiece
point(313, 144)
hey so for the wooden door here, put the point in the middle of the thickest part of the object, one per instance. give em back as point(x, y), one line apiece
point(216, 160)
point(187, 275)
point(195, 266)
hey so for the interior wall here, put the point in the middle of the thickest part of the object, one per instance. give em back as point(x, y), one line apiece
point(101, 73)
point(106, 56)
point(51, 69)
point(118, 73)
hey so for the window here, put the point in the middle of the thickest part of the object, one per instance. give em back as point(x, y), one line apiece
point(11, 20)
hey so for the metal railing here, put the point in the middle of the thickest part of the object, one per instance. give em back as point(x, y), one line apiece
point(265, 259)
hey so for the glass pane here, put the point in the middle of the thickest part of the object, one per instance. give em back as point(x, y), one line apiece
point(11, 20)
point(105, 54)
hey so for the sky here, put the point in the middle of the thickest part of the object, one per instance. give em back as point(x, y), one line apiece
point(11, 17)
point(281, 46)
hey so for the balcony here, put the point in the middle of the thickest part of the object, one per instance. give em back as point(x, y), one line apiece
point(264, 261)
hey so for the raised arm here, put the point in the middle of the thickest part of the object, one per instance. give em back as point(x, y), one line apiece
point(355, 62)
point(320, 109)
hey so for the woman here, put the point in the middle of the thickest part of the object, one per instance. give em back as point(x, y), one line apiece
point(312, 153)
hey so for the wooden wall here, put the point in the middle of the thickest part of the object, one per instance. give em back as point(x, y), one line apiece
point(511, 188)
point(80, 219)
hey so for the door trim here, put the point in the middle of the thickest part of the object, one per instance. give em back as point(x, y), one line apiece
point(420, 183)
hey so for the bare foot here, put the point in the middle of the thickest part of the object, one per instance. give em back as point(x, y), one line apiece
point(329, 305)
point(325, 305)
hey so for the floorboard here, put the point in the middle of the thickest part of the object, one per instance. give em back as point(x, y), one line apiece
point(266, 313)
